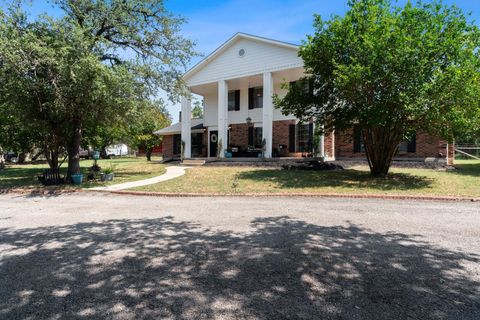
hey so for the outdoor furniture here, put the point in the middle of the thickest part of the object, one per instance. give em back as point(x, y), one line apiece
point(51, 177)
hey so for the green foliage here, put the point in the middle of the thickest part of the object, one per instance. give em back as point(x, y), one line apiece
point(392, 71)
point(81, 76)
point(144, 119)
point(197, 110)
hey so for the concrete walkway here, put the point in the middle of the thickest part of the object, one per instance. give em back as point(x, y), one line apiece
point(172, 173)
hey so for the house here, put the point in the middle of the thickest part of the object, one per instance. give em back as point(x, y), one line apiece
point(237, 82)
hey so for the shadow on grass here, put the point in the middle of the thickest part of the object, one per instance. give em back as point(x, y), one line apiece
point(22, 176)
point(283, 269)
point(468, 169)
point(19, 176)
point(348, 178)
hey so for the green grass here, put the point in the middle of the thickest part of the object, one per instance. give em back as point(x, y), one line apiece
point(125, 169)
point(465, 181)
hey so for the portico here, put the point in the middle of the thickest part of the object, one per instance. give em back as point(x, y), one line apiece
point(221, 112)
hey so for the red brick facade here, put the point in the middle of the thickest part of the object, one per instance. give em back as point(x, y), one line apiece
point(239, 135)
point(280, 133)
point(427, 146)
point(337, 145)
point(167, 147)
point(329, 145)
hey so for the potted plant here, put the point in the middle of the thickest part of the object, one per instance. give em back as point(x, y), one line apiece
point(228, 153)
point(77, 177)
point(107, 174)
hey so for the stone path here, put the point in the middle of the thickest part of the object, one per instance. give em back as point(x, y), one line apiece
point(172, 173)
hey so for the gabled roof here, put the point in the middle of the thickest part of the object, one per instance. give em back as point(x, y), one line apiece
point(229, 42)
point(176, 128)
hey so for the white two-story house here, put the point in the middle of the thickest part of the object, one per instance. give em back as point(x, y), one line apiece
point(237, 82)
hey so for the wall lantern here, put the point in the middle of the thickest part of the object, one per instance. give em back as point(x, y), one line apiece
point(249, 120)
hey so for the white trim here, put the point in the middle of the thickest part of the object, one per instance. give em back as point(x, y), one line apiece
point(249, 74)
point(267, 113)
point(186, 135)
point(223, 116)
point(226, 44)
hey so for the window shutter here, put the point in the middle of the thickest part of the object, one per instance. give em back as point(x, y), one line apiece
point(250, 98)
point(357, 144)
point(237, 100)
point(412, 144)
point(291, 138)
point(310, 136)
point(250, 135)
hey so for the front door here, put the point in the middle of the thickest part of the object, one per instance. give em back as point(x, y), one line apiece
point(213, 143)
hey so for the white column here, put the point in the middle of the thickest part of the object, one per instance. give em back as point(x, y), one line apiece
point(321, 144)
point(186, 123)
point(222, 116)
point(267, 117)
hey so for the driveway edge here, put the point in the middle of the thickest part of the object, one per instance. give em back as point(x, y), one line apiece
point(304, 195)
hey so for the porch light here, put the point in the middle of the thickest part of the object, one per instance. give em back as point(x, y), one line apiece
point(249, 120)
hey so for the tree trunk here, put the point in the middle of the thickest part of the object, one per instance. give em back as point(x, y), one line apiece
point(73, 150)
point(52, 157)
point(2, 161)
point(148, 153)
point(381, 144)
point(35, 156)
point(21, 157)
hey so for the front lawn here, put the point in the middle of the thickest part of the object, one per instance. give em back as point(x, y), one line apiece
point(465, 181)
point(125, 169)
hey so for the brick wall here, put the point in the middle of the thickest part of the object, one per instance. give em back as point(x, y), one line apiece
point(280, 133)
point(167, 147)
point(329, 145)
point(239, 135)
point(427, 146)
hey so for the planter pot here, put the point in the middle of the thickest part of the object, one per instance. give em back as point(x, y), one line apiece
point(77, 178)
point(228, 154)
point(96, 155)
point(106, 177)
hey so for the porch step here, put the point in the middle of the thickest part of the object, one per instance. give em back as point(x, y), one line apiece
point(193, 162)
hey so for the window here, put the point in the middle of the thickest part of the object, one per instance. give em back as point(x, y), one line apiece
point(234, 100)
point(255, 98)
point(303, 138)
point(300, 137)
point(255, 137)
point(177, 144)
point(409, 146)
point(358, 145)
point(303, 86)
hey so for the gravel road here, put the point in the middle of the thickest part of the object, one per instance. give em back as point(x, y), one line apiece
point(101, 256)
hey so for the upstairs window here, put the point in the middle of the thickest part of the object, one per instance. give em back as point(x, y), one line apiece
point(255, 98)
point(234, 100)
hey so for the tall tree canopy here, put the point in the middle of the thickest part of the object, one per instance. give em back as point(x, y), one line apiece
point(391, 71)
point(197, 109)
point(87, 70)
point(148, 117)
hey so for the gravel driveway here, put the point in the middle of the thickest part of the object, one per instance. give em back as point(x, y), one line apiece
point(101, 256)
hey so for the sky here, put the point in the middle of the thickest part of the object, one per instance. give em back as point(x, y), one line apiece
point(210, 23)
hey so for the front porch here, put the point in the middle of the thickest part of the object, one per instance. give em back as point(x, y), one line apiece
point(240, 120)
